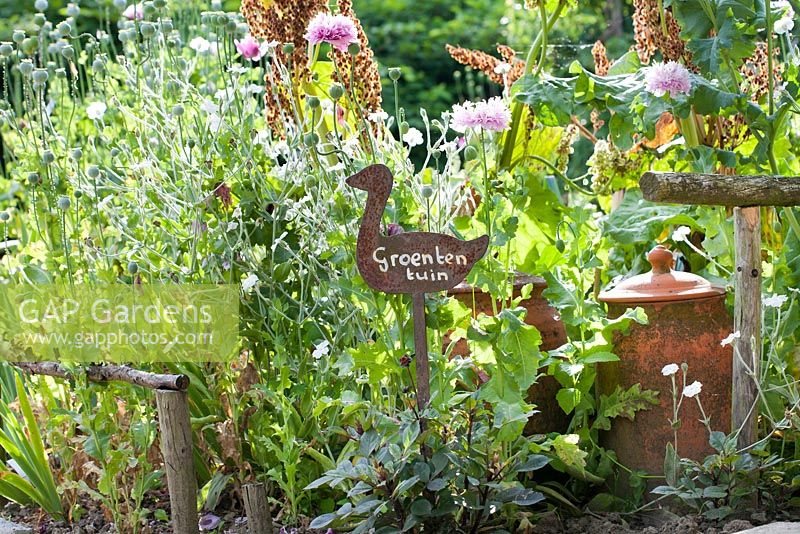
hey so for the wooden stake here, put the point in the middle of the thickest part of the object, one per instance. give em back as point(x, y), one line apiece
point(176, 448)
point(256, 505)
point(421, 349)
point(747, 321)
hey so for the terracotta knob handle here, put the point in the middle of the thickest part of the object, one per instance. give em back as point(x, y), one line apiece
point(661, 259)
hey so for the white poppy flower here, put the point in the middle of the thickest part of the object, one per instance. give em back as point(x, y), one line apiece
point(321, 350)
point(681, 233)
point(249, 282)
point(96, 110)
point(692, 389)
point(785, 24)
point(413, 137)
point(200, 45)
point(775, 301)
point(670, 369)
point(378, 116)
point(730, 339)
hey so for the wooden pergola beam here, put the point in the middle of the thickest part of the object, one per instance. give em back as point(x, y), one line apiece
point(720, 189)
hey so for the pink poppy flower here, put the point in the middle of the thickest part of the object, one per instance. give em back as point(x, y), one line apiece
point(670, 77)
point(492, 115)
point(134, 11)
point(336, 30)
point(250, 48)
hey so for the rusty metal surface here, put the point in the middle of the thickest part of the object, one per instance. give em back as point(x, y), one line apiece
point(662, 284)
point(684, 331)
point(412, 262)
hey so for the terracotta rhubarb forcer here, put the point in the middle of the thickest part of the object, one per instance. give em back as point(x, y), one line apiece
point(687, 320)
point(551, 418)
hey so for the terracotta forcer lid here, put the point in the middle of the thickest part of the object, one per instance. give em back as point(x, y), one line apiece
point(662, 284)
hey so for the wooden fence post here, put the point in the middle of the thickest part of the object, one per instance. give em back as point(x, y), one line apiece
point(256, 505)
point(176, 448)
point(747, 321)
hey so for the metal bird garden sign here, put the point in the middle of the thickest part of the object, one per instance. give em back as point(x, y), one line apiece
point(414, 263)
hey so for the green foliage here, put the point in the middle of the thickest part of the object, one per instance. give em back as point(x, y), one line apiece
point(723, 481)
point(23, 443)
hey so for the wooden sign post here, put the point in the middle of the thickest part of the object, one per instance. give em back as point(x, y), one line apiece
point(745, 194)
point(414, 263)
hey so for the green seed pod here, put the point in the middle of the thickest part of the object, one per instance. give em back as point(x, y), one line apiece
point(6, 49)
point(68, 52)
point(133, 267)
point(177, 110)
point(115, 152)
point(18, 36)
point(40, 76)
point(77, 154)
point(148, 30)
point(159, 4)
point(78, 194)
point(313, 102)
point(354, 49)
point(404, 127)
point(4, 216)
point(166, 25)
point(427, 191)
point(48, 157)
point(560, 245)
point(231, 26)
point(336, 91)
point(64, 28)
point(33, 178)
point(394, 74)
point(148, 9)
point(93, 171)
point(41, 5)
point(777, 226)
point(63, 203)
point(29, 45)
point(470, 153)
point(26, 67)
point(39, 19)
point(98, 66)
point(73, 10)
point(288, 48)
point(310, 139)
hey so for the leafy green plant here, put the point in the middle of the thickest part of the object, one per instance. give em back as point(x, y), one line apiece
point(451, 469)
point(23, 443)
point(723, 481)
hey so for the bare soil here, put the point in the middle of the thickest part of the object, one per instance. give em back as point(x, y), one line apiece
point(95, 521)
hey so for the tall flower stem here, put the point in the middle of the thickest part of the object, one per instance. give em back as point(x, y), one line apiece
point(516, 117)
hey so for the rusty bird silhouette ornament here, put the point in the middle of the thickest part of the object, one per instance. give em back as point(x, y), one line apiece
point(414, 262)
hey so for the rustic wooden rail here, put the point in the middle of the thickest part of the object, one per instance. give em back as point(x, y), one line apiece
point(720, 189)
point(176, 430)
point(745, 194)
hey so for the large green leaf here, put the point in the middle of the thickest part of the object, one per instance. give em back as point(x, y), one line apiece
point(639, 221)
